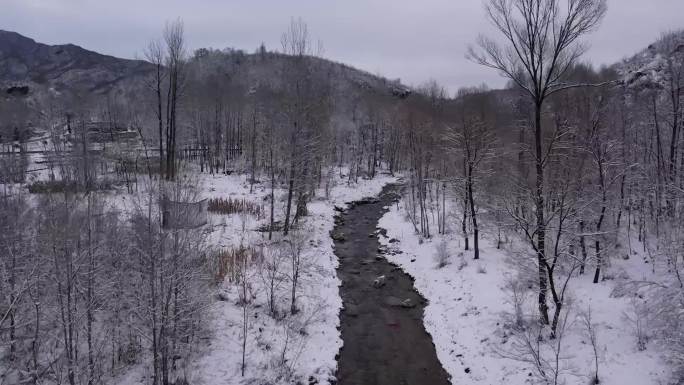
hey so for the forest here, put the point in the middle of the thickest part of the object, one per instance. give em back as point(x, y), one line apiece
point(180, 225)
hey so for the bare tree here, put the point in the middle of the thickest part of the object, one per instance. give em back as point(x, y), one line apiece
point(592, 334)
point(244, 278)
point(542, 42)
point(155, 55)
point(474, 140)
point(273, 276)
point(174, 37)
point(295, 246)
point(544, 356)
point(295, 42)
point(306, 107)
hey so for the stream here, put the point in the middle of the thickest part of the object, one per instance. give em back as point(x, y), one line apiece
point(385, 342)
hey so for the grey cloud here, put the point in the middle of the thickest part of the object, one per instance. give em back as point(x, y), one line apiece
point(411, 40)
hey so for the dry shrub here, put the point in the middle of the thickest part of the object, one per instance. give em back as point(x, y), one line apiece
point(228, 262)
point(49, 187)
point(60, 186)
point(233, 206)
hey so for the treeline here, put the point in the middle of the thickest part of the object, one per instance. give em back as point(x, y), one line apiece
point(584, 165)
point(89, 291)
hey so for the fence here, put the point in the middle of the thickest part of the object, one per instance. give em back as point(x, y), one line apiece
point(184, 215)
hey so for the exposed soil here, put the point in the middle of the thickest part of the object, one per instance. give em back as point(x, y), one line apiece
point(385, 342)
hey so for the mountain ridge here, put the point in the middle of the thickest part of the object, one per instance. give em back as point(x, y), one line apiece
point(62, 68)
point(69, 68)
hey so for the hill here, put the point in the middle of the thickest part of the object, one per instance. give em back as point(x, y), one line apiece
point(27, 67)
point(650, 67)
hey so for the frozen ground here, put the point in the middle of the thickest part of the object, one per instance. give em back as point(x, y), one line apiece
point(469, 310)
point(296, 348)
point(286, 350)
point(468, 314)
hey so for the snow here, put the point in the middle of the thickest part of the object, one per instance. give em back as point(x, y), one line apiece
point(468, 308)
point(467, 315)
point(309, 354)
point(310, 339)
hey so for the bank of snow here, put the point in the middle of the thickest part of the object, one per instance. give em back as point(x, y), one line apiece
point(468, 307)
point(296, 348)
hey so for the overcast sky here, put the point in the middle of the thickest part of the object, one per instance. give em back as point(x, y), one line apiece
point(414, 40)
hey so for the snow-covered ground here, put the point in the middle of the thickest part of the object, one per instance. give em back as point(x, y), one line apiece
point(468, 314)
point(309, 340)
point(292, 348)
point(469, 308)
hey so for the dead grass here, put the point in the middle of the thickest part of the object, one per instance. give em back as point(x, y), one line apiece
point(233, 206)
point(228, 262)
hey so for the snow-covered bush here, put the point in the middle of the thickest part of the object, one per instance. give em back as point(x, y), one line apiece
point(546, 356)
point(637, 318)
point(273, 276)
point(591, 333)
point(462, 263)
point(665, 315)
point(442, 254)
point(518, 292)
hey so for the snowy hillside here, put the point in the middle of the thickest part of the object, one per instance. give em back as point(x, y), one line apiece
point(649, 67)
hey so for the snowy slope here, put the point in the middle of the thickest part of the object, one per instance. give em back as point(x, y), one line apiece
point(648, 68)
point(469, 314)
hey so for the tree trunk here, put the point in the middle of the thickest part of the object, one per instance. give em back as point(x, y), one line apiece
point(583, 247)
point(473, 214)
point(290, 189)
point(541, 226)
point(160, 121)
point(270, 227)
point(597, 273)
point(599, 257)
point(286, 225)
